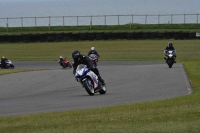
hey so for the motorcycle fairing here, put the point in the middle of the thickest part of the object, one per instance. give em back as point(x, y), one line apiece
point(65, 61)
point(82, 71)
point(93, 56)
point(8, 62)
point(94, 78)
point(170, 54)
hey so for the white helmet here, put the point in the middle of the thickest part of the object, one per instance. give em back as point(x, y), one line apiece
point(61, 57)
point(92, 48)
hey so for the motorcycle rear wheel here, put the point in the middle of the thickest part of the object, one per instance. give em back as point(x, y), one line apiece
point(12, 66)
point(103, 90)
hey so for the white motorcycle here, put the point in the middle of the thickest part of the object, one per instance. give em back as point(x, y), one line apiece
point(9, 64)
point(89, 80)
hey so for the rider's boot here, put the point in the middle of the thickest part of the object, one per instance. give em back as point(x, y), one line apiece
point(101, 80)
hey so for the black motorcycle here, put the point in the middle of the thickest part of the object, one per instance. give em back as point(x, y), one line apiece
point(170, 58)
point(94, 59)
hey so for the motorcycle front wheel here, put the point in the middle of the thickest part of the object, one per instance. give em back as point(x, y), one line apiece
point(88, 87)
point(170, 63)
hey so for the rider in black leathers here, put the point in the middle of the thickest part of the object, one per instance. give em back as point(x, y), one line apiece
point(82, 59)
point(167, 48)
point(3, 61)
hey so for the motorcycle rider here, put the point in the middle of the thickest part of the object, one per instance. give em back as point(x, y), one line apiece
point(3, 61)
point(82, 59)
point(93, 51)
point(60, 59)
point(167, 48)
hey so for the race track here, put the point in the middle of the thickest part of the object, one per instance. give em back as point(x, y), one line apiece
point(57, 90)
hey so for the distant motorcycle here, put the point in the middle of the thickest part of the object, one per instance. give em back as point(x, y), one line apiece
point(94, 59)
point(89, 80)
point(9, 65)
point(170, 58)
point(65, 63)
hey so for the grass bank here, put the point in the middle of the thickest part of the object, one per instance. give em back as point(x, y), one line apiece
point(97, 28)
point(177, 115)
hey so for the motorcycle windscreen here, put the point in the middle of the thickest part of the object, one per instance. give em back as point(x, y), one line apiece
point(170, 52)
point(81, 70)
point(93, 56)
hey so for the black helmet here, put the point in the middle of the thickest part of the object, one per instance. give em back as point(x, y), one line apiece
point(170, 44)
point(75, 54)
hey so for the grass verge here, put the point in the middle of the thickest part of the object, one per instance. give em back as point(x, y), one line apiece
point(177, 115)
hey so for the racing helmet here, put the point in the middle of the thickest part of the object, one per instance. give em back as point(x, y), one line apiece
point(61, 57)
point(170, 44)
point(75, 54)
point(92, 48)
point(3, 57)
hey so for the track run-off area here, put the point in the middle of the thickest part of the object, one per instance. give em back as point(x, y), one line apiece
point(55, 89)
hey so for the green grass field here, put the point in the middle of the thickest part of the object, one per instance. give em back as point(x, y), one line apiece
point(177, 115)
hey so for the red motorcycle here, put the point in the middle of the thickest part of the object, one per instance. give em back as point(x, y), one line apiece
point(65, 63)
point(94, 59)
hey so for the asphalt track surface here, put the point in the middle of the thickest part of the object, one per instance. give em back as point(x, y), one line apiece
point(57, 90)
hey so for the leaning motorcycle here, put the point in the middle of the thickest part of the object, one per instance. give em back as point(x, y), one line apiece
point(89, 80)
point(9, 65)
point(170, 58)
point(94, 59)
point(65, 63)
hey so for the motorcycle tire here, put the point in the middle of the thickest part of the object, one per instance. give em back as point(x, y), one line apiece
point(69, 65)
point(12, 66)
point(170, 63)
point(88, 87)
point(63, 66)
point(103, 90)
